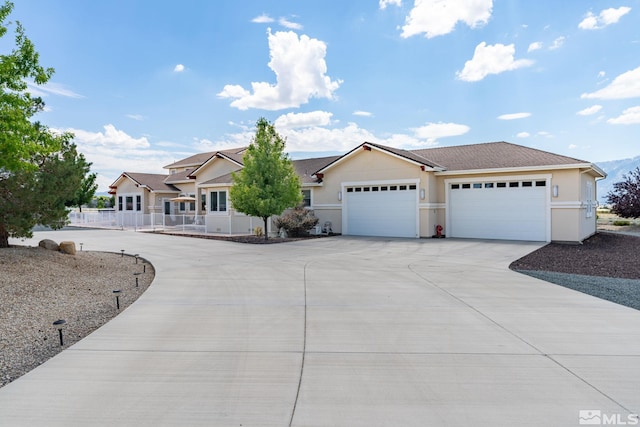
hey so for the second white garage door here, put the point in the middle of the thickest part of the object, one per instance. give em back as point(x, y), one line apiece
point(508, 210)
point(381, 210)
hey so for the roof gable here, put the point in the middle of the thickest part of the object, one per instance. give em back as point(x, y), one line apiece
point(408, 156)
point(153, 182)
point(233, 156)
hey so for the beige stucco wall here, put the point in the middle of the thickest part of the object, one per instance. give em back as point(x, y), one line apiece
point(216, 168)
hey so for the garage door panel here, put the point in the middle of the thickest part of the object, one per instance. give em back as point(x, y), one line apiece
point(382, 213)
point(499, 213)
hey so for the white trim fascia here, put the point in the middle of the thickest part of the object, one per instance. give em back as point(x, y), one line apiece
point(314, 184)
point(211, 160)
point(327, 206)
point(213, 185)
point(576, 204)
point(431, 205)
point(516, 169)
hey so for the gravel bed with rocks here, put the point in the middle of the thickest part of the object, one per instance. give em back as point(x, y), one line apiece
point(39, 286)
point(606, 265)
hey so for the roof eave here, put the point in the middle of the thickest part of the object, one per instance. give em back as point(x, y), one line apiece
point(518, 169)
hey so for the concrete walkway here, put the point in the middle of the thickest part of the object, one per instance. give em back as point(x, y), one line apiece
point(337, 332)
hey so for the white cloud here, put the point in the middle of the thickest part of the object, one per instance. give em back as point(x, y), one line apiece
point(630, 116)
point(545, 134)
point(178, 68)
point(137, 117)
point(113, 151)
point(300, 69)
point(491, 59)
point(437, 17)
point(534, 46)
point(288, 24)
point(572, 146)
point(432, 131)
point(605, 18)
point(298, 120)
point(523, 134)
point(514, 116)
point(51, 89)
point(626, 85)
point(385, 3)
point(111, 137)
point(601, 74)
point(557, 43)
point(262, 19)
point(590, 110)
point(362, 113)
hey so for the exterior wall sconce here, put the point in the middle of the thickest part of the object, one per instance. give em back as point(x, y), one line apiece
point(555, 191)
point(422, 194)
point(59, 324)
point(340, 195)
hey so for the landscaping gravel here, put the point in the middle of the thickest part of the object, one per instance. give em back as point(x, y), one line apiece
point(607, 266)
point(39, 286)
point(621, 291)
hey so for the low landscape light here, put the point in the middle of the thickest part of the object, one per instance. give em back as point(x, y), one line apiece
point(117, 293)
point(59, 324)
point(122, 253)
point(137, 274)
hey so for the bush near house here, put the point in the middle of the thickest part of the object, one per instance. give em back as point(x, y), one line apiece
point(297, 222)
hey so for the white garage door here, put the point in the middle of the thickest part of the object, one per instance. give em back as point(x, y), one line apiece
point(515, 210)
point(381, 210)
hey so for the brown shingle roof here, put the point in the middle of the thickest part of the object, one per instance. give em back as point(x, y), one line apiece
point(178, 177)
point(410, 155)
point(198, 159)
point(493, 155)
point(305, 168)
point(155, 182)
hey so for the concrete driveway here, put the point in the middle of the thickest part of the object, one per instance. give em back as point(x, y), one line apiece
point(338, 332)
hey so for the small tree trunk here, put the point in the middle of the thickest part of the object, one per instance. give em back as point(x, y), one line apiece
point(80, 207)
point(266, 233)
point(4, 237)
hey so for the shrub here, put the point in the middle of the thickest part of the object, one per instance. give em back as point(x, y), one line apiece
point(619, 222)
point(258, 231)
point(297, 222)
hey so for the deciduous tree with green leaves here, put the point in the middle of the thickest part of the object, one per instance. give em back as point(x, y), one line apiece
point(268, 183)
point(625, 196)
point(40, 170)
point(85, 192)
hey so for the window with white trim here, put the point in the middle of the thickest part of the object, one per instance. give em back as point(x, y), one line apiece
point(218, 201)
point(306, 198)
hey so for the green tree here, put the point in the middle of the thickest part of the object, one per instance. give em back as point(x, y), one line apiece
point(84, 194)
point(625, 196)
point(268, 183)
point(40, 171)
point(20, 137)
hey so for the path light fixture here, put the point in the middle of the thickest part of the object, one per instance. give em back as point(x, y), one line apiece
point(122, 253)
point(137, 274)
point(59, 324)
point(81, 246)
point(136, 255)
point(144, 267)
point(117, 293)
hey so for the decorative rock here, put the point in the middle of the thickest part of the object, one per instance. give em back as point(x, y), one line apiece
point(49, 245)
point(68, 247)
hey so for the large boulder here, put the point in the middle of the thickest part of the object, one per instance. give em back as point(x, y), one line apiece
point(49, 245)
point(68, 247)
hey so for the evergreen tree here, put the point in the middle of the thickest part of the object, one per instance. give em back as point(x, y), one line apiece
point(268, 183)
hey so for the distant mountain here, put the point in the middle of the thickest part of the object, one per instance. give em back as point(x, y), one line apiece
point(615, 169)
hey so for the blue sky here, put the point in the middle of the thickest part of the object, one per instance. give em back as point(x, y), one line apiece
point(145, 83)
